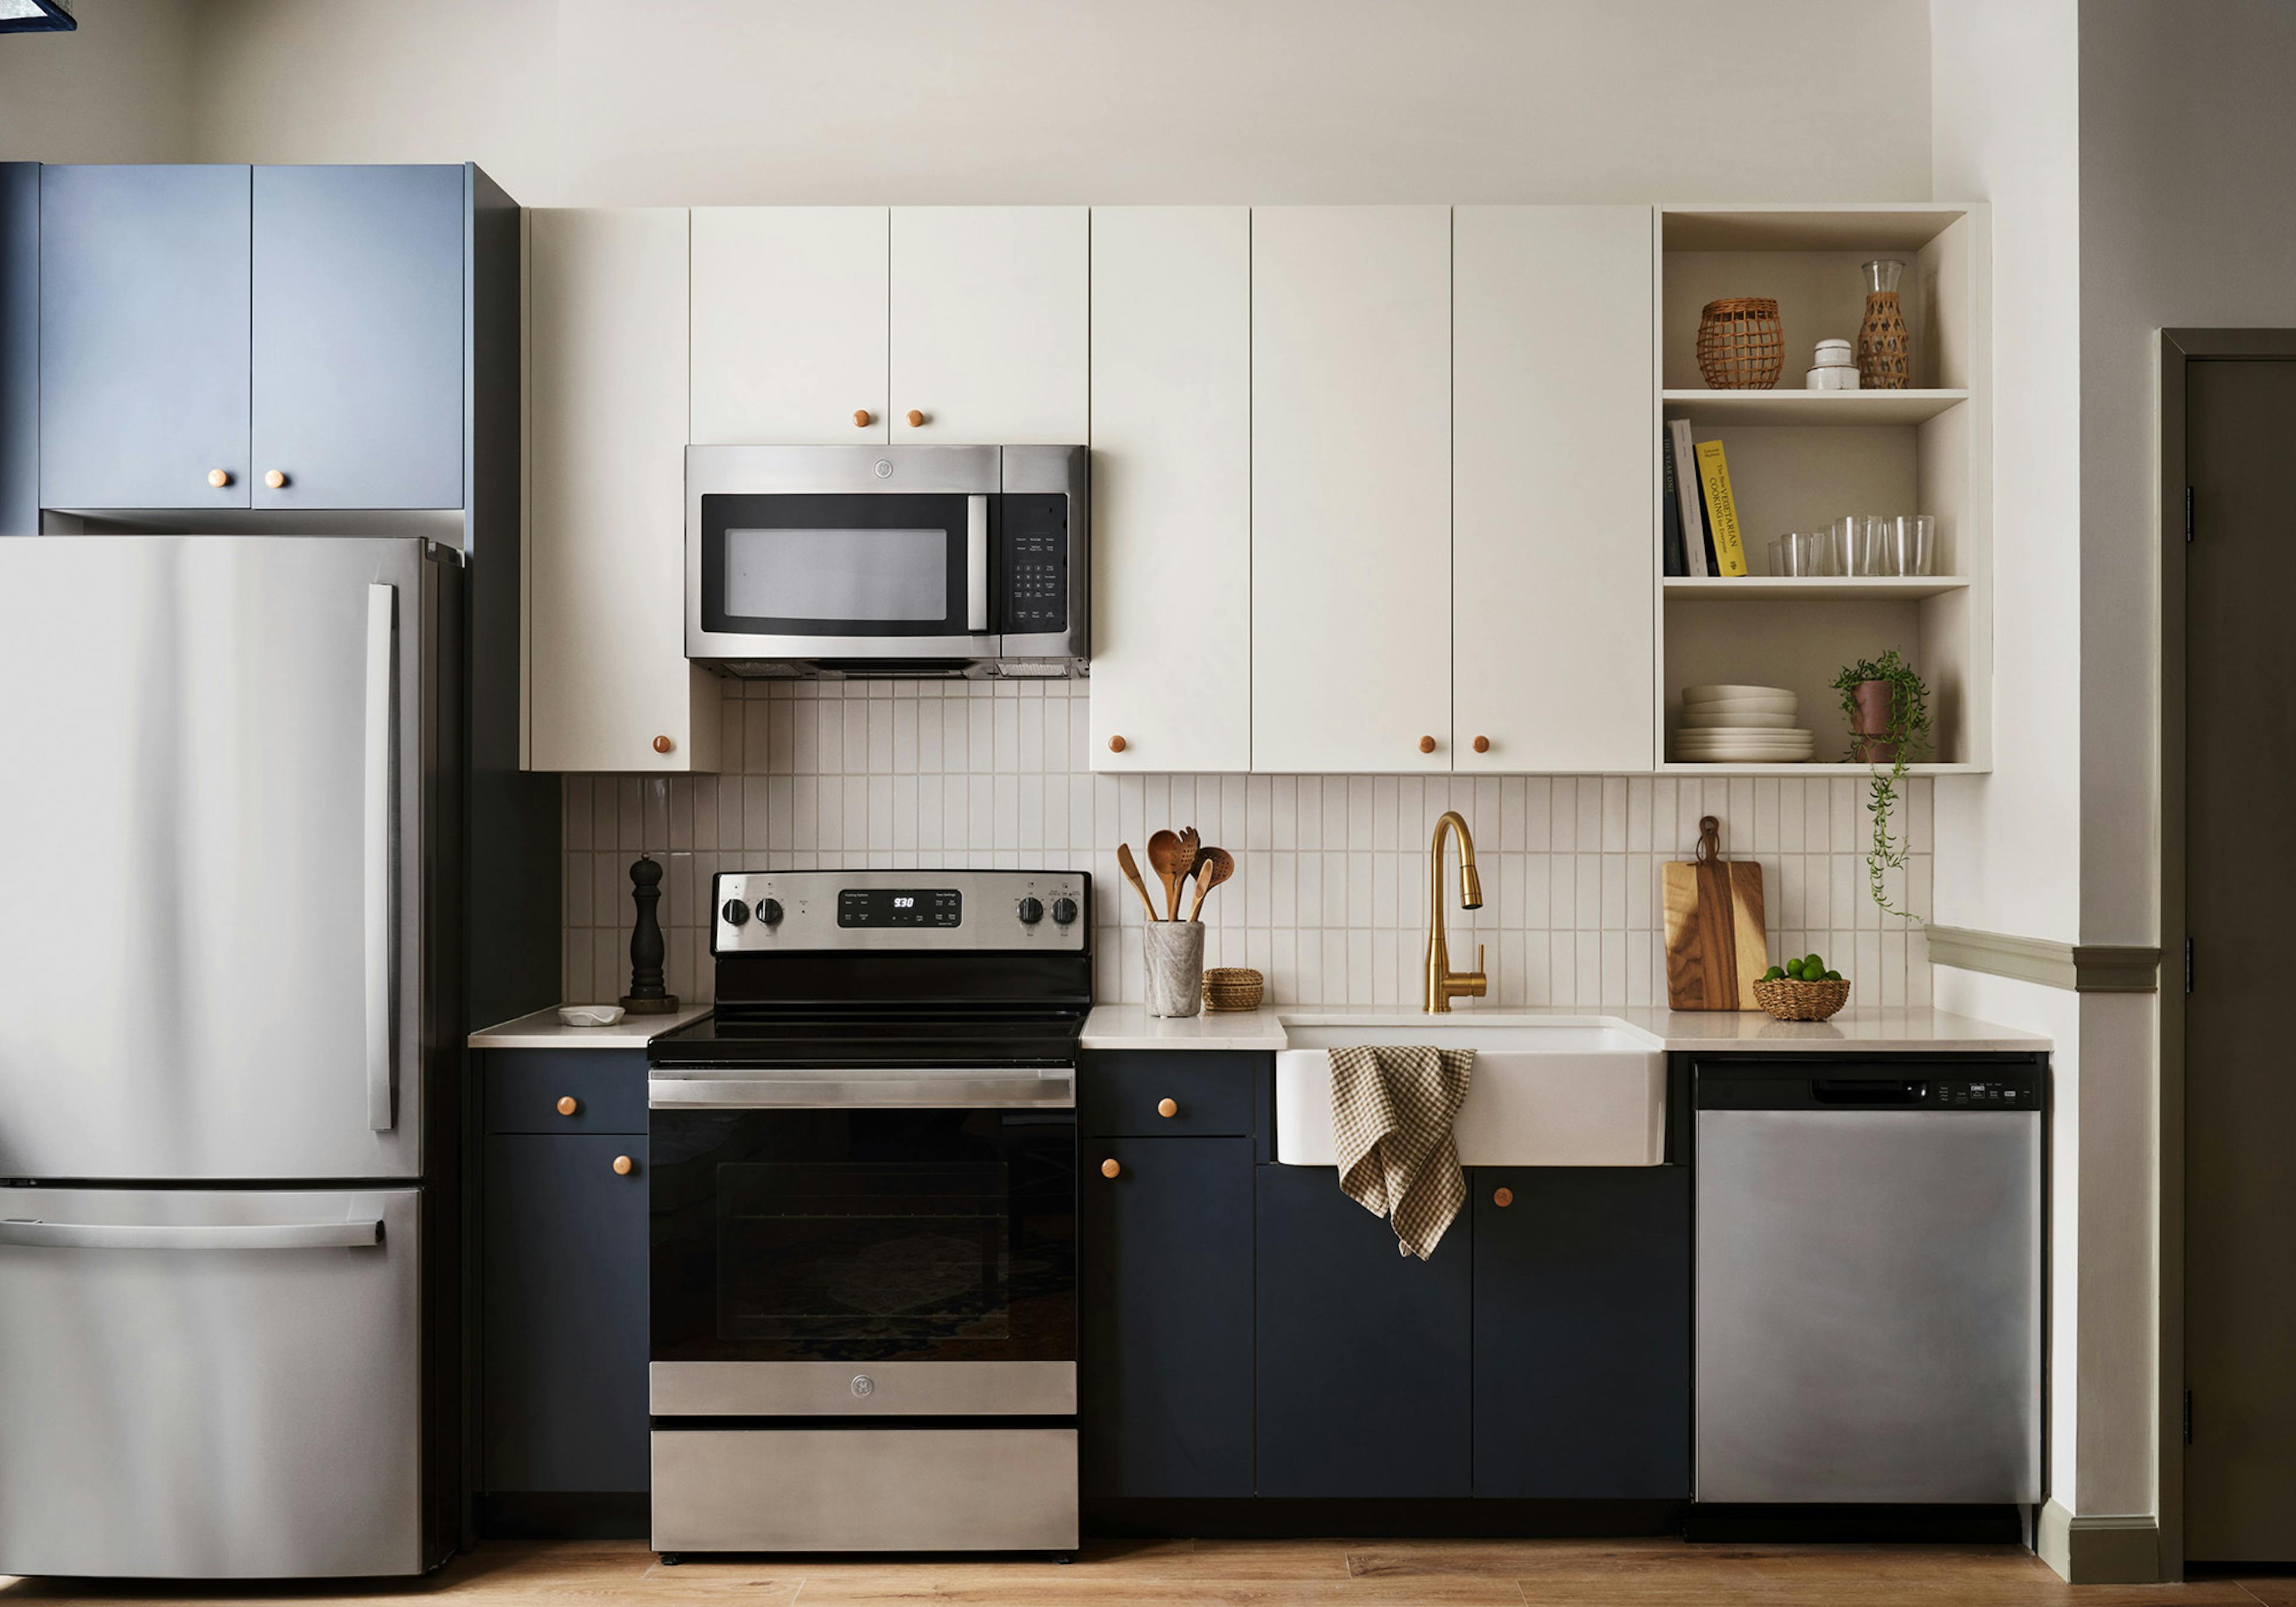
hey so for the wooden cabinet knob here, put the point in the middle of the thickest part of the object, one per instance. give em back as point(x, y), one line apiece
point(860, 418)
point(567, 1104)
point(1482, 744)
point(218, 478)
point(1502, 1198)
point(1426, 745)
point(1116, 745)
point(274, 479)
point(915, 418)
point(662, 744)
point(1168, 1107)
point(624, 1165)
point(1109, 1167)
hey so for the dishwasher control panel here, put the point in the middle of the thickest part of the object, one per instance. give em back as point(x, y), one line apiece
point(1868, 1087)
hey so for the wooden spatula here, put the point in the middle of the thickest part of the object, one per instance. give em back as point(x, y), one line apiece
point(1131, 869)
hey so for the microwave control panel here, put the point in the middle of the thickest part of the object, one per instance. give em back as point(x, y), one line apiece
point(1036, 570)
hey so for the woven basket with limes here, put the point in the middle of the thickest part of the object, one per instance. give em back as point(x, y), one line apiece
point(1801, 990)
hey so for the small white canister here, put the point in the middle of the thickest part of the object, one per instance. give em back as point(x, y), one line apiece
point(1832, 379)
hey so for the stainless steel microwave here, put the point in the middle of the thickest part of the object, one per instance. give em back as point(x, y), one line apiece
point(887, 561)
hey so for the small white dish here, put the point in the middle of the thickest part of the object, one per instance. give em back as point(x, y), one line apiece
point(589, 1015)
point(1708, 695)
point(1703, 716)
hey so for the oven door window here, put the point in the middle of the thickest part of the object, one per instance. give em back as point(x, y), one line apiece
point(837, 565)
point(863, 1235)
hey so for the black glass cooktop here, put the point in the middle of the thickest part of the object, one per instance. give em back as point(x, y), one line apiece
point(793, 1037)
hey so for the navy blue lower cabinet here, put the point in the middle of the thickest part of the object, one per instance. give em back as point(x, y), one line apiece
point(1164, 1367)
point(1582, 1331)
point(565, 1312)
point(1365, 1360)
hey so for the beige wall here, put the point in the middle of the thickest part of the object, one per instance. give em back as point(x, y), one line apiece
point(117, 89)
point(604, 103)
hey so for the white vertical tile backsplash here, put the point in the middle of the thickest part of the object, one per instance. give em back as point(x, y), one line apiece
point(1329, 898)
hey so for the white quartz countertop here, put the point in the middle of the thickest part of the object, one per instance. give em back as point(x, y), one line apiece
point(544, 1030)
point(1879, 1030)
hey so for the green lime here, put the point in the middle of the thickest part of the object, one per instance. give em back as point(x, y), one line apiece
point(1833, 976)
point(1793, 969)
point(1773, 973)
point(1813, 967)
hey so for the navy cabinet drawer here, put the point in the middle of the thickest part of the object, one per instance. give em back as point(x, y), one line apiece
point(1122, 1094)
point(524, 1088)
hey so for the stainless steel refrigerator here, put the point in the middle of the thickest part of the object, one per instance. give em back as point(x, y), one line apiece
point(229, 1042)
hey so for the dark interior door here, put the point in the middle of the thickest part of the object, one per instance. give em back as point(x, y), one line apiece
point(2240, 1101)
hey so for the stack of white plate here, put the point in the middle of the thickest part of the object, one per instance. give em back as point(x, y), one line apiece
point(1741, 725)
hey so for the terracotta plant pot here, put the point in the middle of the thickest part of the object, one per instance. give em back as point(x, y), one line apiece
point(1872, 723)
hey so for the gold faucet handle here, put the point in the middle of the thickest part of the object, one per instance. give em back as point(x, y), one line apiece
point(1475, 982)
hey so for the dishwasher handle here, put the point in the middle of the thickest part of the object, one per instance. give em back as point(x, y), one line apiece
point(1867, 1091)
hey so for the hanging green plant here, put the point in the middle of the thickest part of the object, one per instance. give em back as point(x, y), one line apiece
point(1889, 713)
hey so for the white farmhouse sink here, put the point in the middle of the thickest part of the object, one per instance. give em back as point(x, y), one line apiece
point(1547, 1090)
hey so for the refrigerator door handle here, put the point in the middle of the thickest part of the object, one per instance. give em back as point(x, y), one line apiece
point(379, 899)
point(168, 1235)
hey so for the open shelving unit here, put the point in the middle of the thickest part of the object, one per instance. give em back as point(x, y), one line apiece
point(1799, 458)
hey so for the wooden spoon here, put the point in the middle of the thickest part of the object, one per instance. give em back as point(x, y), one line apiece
point(1213, 866)
point(1124, 862)
point(1170, 857)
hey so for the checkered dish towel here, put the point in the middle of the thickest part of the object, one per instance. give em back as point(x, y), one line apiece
point(1391, 1110)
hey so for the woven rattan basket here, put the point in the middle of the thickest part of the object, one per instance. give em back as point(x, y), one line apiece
point(1739, 344)
point(1233, 987)
point(1792, 1001)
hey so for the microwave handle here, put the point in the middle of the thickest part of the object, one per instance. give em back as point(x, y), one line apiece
point(976, 563)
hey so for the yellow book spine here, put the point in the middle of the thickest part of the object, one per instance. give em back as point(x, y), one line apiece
point(1714, 474)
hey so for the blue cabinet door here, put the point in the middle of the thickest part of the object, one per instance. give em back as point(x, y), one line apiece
point(1165, 1364)
point(1582, 1331)
point(1364, 1367)
point(357, 342)
point(143, 336)
point(565, 1313)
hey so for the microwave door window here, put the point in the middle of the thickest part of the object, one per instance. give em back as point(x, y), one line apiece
point(872, 577)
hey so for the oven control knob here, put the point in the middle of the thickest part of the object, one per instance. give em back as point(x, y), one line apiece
point(1033, 910)
point(735, 912)
point(1064, 911)
point(865, 1385)
point(769, 911)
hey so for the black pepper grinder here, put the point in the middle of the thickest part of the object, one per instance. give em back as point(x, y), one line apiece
point(647, 995)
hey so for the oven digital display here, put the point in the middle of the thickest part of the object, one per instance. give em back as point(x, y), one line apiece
point(899, 907)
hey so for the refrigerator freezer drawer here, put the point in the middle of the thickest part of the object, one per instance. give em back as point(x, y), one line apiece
point(209, 1384)
point(864, 1489)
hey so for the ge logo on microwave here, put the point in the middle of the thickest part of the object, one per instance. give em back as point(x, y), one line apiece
point(884, 468)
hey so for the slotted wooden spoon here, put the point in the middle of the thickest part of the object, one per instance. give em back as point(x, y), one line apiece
point(1213, 866)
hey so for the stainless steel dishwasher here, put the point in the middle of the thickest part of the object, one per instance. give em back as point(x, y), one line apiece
point(1868, 1273)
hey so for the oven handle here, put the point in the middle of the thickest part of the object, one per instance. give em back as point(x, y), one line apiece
point(976, 563)
point(880, 1088)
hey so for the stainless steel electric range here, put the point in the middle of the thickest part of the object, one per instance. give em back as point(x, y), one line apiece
point(863, 1260)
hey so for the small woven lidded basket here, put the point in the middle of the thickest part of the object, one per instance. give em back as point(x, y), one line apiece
point(1791, 1001)
point(1741, 346)
point(1233, 987)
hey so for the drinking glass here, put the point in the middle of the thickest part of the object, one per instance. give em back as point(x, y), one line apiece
point(1855, 549)
point(1913, 544)
point(1816, 551)
point(1878, 544)
point(1782, 554)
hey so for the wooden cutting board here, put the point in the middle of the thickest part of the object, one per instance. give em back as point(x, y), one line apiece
point(1715, 949)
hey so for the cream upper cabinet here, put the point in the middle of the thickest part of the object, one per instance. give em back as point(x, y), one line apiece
point(608, 683)
point(1171, 489)
point(790, 325)
point(1551, 439)
point(1350, 496)
point(990, 325)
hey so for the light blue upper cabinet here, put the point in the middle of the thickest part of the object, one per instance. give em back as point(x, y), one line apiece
point(143, 337)
point(358, 337)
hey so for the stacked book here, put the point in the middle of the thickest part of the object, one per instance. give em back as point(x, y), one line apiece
point(1741, 725)
point(1700, 534)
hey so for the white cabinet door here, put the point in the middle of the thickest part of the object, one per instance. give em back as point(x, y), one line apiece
point(1171, 489)
point(990, 324)
point(608, 683)
point(1553, 436)
point(789, 325)
point(1351, 474)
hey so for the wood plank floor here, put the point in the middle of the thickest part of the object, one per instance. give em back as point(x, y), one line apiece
point(1241, 1573)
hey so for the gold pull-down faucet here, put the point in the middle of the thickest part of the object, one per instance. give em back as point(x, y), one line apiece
point(1443, 983)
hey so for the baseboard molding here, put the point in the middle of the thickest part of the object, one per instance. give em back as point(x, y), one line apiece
point(2099, 1550)
point(2075, 967)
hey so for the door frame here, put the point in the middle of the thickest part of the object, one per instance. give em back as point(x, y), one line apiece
point(2179, 347)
